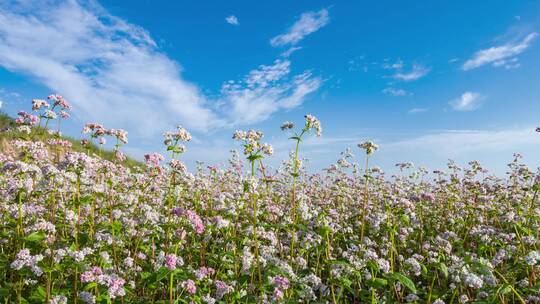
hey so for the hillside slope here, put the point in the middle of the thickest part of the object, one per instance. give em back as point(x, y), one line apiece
point(8, 132)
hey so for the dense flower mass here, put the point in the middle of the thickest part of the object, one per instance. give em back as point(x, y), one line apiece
point(80, 229)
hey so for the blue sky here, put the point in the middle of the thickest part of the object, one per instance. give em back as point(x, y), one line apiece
point(427, 81)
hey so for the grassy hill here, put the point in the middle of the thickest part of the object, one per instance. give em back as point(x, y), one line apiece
point(8, 133)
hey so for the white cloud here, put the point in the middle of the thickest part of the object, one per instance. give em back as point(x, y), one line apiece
point(308, 23)
point(493, 148)
point(232, 20)
point(114, 73)
point(467, 144)
point(1, 103)
point(109, 69)
point(469, 101)
point(500, 55)
point(291, 50)
point(395, 92)
point(398, 65)
point(266, 90)
point(417, 72)
point(417, 110)
point(508, 64)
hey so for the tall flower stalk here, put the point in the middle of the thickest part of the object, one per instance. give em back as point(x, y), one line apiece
point(173, 141)
point(312, 123)
point(254, 151)
point(369, 147)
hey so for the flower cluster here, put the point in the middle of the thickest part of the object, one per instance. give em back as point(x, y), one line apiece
point(26, 119)
point(370, 147)
point(81, 229)
point(313, 123)
point(252, 143)
point(173, 139)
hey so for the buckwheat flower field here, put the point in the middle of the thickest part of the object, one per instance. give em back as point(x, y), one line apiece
point(77, 228)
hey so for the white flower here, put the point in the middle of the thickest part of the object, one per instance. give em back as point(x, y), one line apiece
point(369, 146)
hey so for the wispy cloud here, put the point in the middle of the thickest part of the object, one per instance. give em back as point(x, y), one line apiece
point(113, 72)
point(468, 101)
point(417, 72)
point(358, 63)
point(110, 69)
point(10, 95)
point(398, 65)
point(232, 20)
point(290, 51)
point(395, 92)
point(458, 143)
point(308, 23)
point(417, 110)
point(503, 55)
point(266, 90)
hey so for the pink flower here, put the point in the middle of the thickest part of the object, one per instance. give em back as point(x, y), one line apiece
point(177, 165)
point(281, 282)
point(204, 272)
point(38, 104)
point(278, 294)
point(116, 286)
point(170, 261)
point(193, 217)
point(26, 119)
point(87, 276)
point(64, 114)
point(189, 286)
point(222, 289)
point(153, 159)
point(91, 275)
point(59, 101)
point(120, 156)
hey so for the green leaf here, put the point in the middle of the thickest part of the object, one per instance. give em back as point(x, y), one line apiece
point(145, 275)
point(424, 269)
point(405, 281)
point(444, 269)
point(35, 236)
point(378, 282)
point(90, 286)
point(162, 273)
point(504, 289)
point(4, 292)
point(38, 294)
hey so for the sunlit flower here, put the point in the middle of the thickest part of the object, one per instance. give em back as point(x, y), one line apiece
point(369, 146)
point(313, 123)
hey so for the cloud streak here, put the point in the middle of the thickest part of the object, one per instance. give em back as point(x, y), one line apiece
point(266, 90)
point(467, 145)
point(308, 23)
point(417, 72)
point(468, 101)
point(503, 55)
point(395, 92)
point(417, 110)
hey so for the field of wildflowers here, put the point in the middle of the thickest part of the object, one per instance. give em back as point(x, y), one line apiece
point(76, 228)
